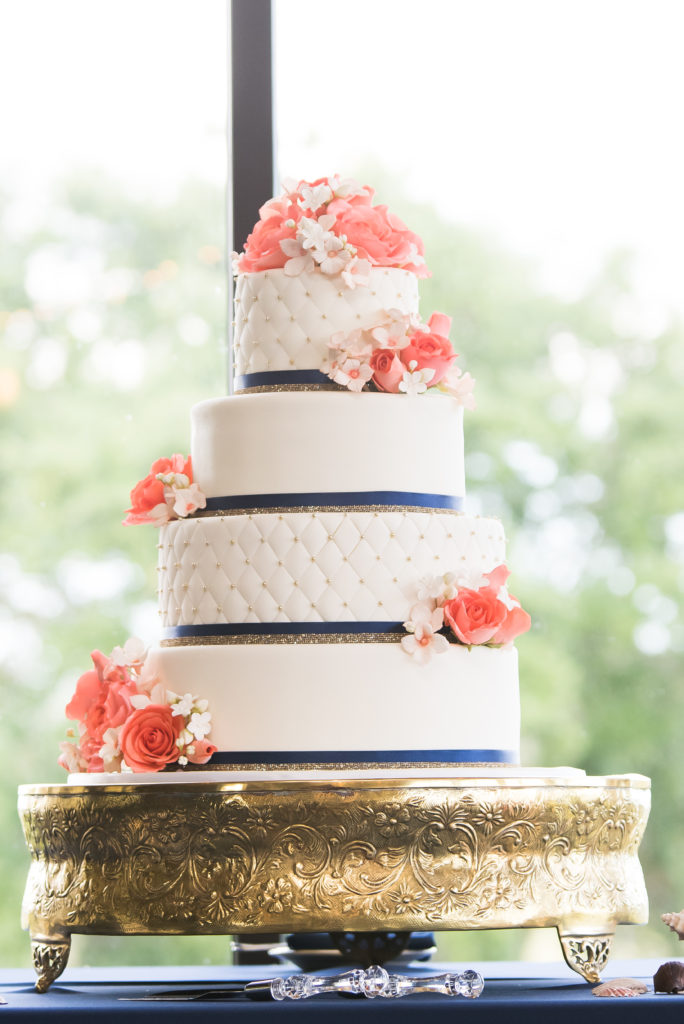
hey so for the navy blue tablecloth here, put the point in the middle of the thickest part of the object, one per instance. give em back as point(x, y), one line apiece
point(525, 994)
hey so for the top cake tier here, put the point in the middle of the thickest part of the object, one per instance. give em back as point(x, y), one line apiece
point(327, 297)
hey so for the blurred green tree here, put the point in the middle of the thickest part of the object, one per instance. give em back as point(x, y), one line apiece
point(112, 318)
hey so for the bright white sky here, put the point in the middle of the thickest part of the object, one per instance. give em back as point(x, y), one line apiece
point(554, 124)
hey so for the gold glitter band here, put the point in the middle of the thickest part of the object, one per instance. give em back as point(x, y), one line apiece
point(347, 766)
point(259, 389)
point(313, 509)
point(285, 638)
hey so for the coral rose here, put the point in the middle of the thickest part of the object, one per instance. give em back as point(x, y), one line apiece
point(379, 236)
point(517, 621)
point(387, 369)
point(431, 349)
point(148, 738)
point(148, 495)
point(474, 616)
point(262, 248)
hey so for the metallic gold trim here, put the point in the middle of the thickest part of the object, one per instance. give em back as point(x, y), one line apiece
point(313, 509)
point(342, 766)
point(263, 388)
point(285, 638)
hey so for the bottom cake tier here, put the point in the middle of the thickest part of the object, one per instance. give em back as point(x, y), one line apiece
point(350, 704)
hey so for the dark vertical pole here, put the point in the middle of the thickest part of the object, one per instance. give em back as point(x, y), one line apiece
point(251, 128)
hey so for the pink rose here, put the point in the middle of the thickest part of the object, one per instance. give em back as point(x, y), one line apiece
point(148, 494)
point(431, 349)
point(90, 690)
point(517, 621)
point(379, 236)
point(148, 738)
point(474, 616)
point(387, 369)
point(262, 248)
point(203, 751)
point(101, 702)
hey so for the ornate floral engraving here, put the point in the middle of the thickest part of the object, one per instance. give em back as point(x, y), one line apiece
point(313, 857)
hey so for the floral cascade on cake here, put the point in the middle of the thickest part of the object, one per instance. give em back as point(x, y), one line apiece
point(471, 612)
point(129, 721)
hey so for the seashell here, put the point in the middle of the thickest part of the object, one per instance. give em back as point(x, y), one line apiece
point(621, 987)
point(675, 922)
point(669, 977)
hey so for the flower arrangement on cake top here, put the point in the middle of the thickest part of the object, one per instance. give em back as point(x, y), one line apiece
point(330, 225)
point(472, 611)
point(127, 720)
point(166, 493)
point(399, 353)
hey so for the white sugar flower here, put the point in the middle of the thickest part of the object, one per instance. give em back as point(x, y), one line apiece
point(354, 345)
point(299, 261)
point(353, 374)
point(415, 381)
point(147, 678)
point(357, 272)
point(345, 188)
point(312, 234)
point(431, 589)
point(460, 386)
point(174, 479)
point(314, 196)
point(472, 579)
point(392, 329)
point(187, 500)
point(335, 257)
point(131, 655)
point(183, 706)
point(424, 640)
point(110, 751)
point(200, 725)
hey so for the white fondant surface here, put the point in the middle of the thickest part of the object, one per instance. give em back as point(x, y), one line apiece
point(349, 696)
point(285, 323)
point(314, 566)
point(328, 441)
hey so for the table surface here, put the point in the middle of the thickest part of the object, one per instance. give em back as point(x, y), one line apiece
point(514, 994)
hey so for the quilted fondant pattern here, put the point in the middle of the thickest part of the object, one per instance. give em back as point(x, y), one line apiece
point(285, 323)
point(313, 567)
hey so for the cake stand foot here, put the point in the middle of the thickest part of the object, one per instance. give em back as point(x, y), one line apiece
point(586, 954)
point(50, 956)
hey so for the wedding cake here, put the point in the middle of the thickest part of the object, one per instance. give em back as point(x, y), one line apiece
point(325, 600)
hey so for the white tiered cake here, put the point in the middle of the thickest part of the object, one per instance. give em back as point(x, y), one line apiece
point(321, 590)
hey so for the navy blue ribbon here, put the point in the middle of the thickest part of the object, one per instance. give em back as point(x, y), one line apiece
point(297, 757)
point(298, 499)
point(279, 629)
point(280, 378)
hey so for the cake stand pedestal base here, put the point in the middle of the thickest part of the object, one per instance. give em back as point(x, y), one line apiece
point(411, 854)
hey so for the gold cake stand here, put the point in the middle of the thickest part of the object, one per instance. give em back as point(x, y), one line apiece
point(372, 855)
